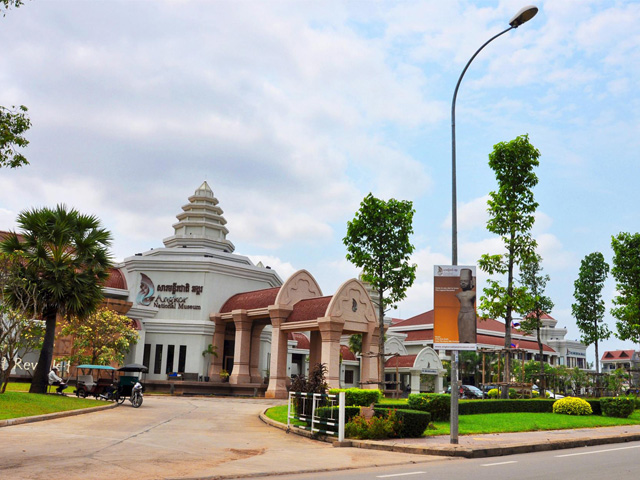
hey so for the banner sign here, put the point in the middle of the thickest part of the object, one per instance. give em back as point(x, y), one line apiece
point(454, 305)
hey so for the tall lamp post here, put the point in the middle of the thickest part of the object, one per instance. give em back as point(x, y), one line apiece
point(523, 16)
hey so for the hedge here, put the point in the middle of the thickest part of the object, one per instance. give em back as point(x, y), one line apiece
point(620, 407)
point(439, 405)
point(413, 422)
point(360, 397)
point(473, 407)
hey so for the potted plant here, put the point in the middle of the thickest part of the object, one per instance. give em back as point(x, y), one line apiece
point(224, 375)
point(210, 350)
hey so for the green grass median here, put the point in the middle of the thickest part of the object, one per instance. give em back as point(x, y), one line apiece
point(506, 422)
point(16, 402)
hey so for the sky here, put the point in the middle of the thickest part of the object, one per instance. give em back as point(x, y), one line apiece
point(294, 111)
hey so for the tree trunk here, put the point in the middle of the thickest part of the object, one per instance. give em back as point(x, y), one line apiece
point(40, 378)
point(540, 349)
point(381, 356)
point(4, 377)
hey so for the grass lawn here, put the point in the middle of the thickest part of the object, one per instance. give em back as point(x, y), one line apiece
point(506, 422)
point(16, 402)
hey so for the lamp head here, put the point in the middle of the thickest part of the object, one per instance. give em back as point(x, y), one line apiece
point(524, 15)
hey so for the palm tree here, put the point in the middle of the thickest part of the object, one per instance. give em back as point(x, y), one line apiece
point(66, 257)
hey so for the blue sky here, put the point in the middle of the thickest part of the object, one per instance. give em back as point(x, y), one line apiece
point(294, 111)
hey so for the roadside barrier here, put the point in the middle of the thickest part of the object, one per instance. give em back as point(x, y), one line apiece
point(303, 406)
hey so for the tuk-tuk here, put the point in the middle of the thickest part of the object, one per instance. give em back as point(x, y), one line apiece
point(131, 385)
point(94, 380)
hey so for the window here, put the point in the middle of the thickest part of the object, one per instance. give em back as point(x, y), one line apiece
point(348, 376)
point(182, 358)
point(147, 355)
point(170, 351)
point(157, 365)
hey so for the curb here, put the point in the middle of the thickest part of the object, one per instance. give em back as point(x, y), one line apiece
point(51, 416)
point(458, 450)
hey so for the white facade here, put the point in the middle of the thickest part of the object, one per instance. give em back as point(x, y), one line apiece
point(174, 289)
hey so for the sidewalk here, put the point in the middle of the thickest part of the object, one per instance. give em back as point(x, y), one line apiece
point(492, 445)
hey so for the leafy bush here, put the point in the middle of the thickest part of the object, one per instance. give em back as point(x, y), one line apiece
point(439, 405)
point(473, 407)
point(595, 405)
point(361, 397)
point(493, 393)
point(411, 423)
point(375, 428)
point(620, 407)
point(512, 393)
point(331, 414)
point(572, 406)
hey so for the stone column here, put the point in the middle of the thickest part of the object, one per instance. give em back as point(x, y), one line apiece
point(439, 387)
point(331, 331)
point(254, 367)
point(242, 350)
point(315, 350)
point(278, 370)
point(415, 381)
point(218, 344)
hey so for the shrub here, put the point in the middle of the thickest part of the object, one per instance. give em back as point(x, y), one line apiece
point(410, 423)
point(331, 414)
point(620, 407)
point(512, 393)
point(595, 405)
point(439, 405)
point(572, 406)
point(375, 428)
point(361, 397)
point(472, 407)
point(493, 393)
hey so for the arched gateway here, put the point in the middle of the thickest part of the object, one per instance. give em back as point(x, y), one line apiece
point(296, 306)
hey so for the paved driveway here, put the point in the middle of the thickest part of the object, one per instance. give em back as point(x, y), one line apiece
point(173, 437)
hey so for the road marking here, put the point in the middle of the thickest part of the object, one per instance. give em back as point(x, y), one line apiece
point(501, 463)
point(399, 474)
point(596, 451)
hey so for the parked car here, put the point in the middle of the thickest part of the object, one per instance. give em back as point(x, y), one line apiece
point(468, 391)
point(549, 393)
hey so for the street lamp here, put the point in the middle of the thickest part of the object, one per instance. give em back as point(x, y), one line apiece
point(524, 15)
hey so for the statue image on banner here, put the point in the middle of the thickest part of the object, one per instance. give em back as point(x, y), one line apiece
point(467, 328)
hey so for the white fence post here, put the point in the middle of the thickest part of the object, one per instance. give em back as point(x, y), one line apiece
point(341, 402)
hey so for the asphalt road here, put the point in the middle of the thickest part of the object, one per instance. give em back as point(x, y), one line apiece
point(619, 461)
point(175, 438)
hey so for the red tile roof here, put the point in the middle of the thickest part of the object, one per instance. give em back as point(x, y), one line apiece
point(116, 280)
point(419, 335)
point(346, 353)
point(618, 355)
point(425, 318)
point(250, 300)
point(401, 361)
point(499, 342)
point(301, 338)
point(309, 309)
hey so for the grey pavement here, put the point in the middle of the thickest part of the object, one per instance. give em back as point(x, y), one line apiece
point(202, 437)
point(174, 438)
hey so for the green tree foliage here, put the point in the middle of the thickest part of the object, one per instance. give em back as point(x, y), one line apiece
point(101, 338)
point(626, 271)
point(588, 309)
point(377, 241)
point(13, 121)
point(535, 302)
point(511, 209)
point(65, 256)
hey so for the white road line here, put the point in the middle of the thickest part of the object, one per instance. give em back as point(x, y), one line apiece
point(399, 474)
point(596, 451)
point(501, 463)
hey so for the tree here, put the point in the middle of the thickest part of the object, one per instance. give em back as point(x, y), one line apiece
point(535, 301)
point(101, 338)
point(377, 241)
point(19, 333)
point(511, 209)
point(626, 271)
point(65, 256)
point(588, 310)
point(13, 121)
